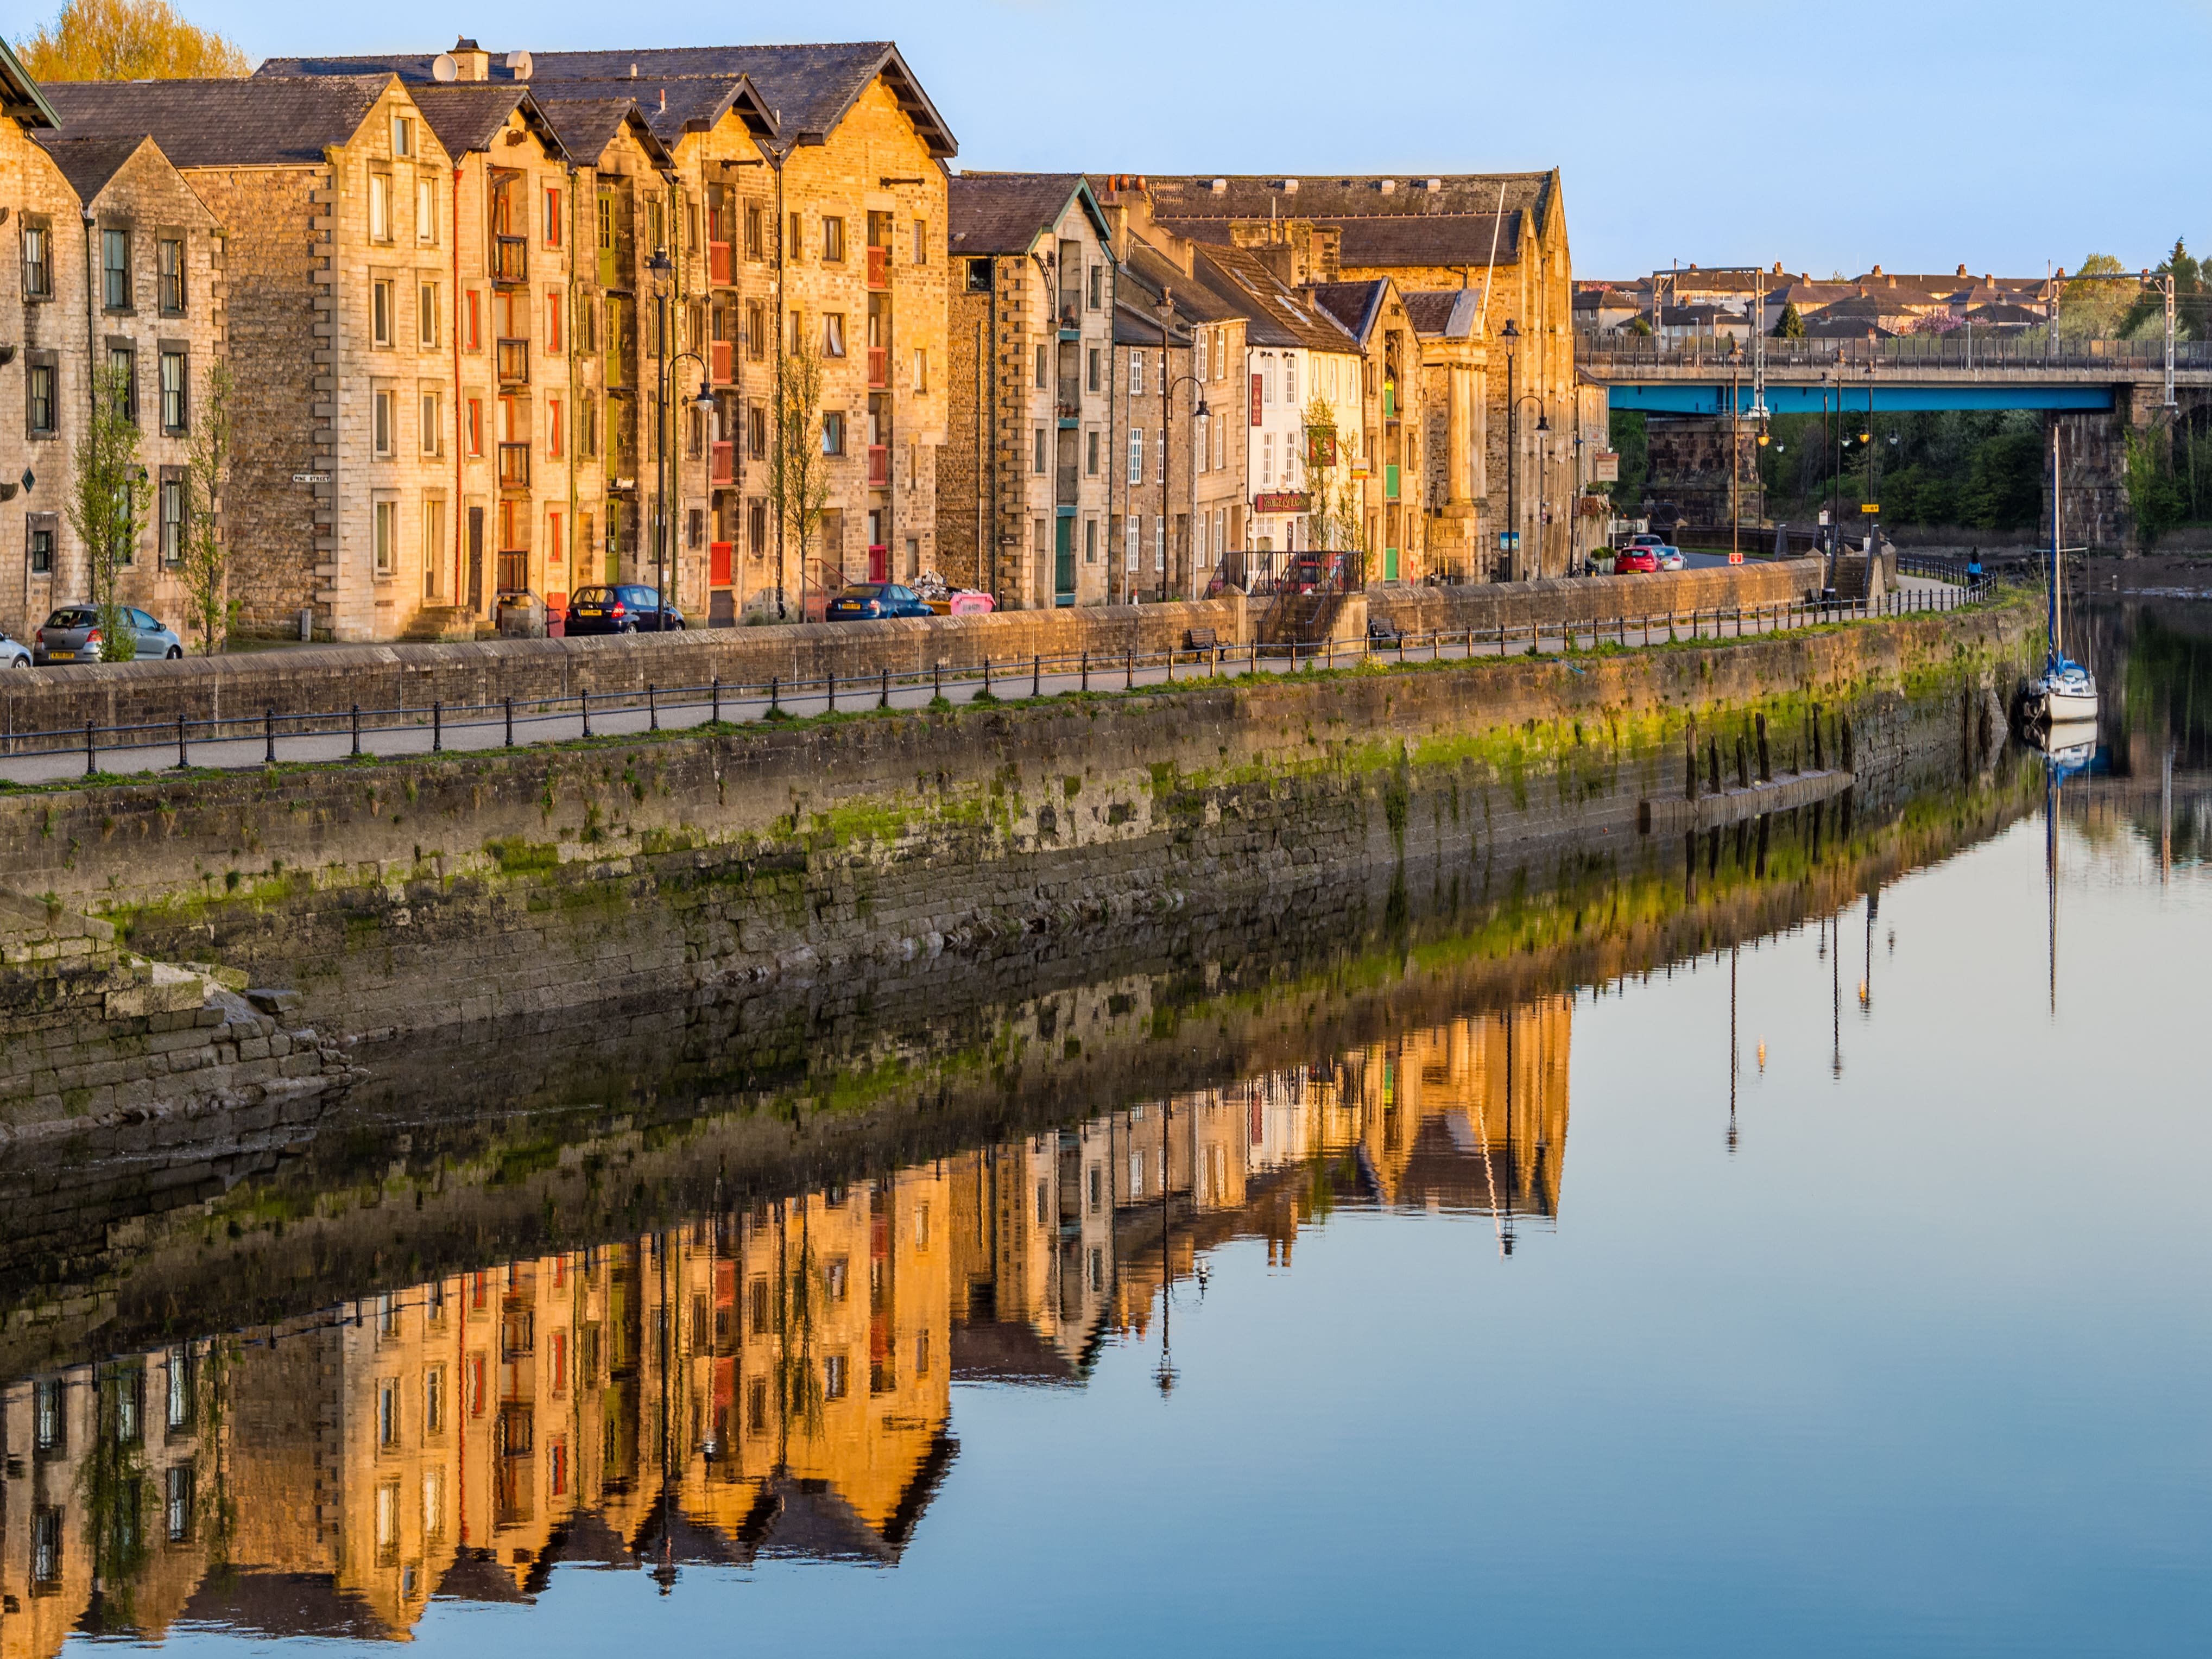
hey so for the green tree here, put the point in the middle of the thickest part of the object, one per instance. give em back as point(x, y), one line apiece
point(1789, 325)
point(1333, 516)
point(799, 471)
point(128, 40)
point(2089, 309)
point(1629, 434)
point(2154, 498)
point(103, 501)
point(2192, 301)
point(206, 556)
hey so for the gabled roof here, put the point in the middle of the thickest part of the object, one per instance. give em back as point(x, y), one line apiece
point(260, 121)
point(672, 106)
point(1200, 296)
point(1006, 212)
point(19, 97)
point(469, 117)
point(1354, 304)
point(89, 163)
point(1450, 313)
point(586, 126)
point(805, 90)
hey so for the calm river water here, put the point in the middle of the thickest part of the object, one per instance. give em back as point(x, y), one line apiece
point(1836, 1289)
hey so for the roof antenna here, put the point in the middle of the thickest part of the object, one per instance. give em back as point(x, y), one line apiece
point(1496, 219)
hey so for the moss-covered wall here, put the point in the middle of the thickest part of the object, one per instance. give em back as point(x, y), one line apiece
point(410, 894)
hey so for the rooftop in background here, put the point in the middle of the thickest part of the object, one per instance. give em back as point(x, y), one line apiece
point(1455, 219)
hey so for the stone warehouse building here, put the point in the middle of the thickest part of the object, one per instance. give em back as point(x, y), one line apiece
point(118, 267)
point(800, 202)
point(1504, 236)
point(379, 449)
point(1025, 483)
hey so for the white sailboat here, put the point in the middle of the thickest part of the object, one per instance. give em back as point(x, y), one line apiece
point(2064, 690)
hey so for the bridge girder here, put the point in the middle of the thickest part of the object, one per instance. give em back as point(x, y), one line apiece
point(1688, 398)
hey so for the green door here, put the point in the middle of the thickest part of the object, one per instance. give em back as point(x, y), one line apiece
point(1389, 564)
point(1063, 563)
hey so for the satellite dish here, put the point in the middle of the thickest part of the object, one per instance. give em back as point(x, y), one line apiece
point(443, 68)
point(519, 62)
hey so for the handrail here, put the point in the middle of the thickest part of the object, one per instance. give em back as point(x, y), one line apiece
point(433, 729)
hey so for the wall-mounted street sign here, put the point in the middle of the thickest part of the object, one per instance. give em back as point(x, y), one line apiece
point(310, 478)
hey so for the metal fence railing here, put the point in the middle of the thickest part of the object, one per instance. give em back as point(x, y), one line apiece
point(269, 738)
point(1961, 348)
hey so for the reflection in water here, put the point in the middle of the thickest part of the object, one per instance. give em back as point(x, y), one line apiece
point(770, 1382)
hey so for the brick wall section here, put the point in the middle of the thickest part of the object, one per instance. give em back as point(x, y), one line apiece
point(414, 893)
point(329, 679)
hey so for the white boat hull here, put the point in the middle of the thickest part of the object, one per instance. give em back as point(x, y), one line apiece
point(2055, 707)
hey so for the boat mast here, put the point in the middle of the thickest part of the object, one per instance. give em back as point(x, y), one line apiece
point(2054, 614)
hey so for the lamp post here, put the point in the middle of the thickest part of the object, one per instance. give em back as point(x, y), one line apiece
point(1510, 333)
point(1165, 311)
point(662, 271)
point(1512, 427)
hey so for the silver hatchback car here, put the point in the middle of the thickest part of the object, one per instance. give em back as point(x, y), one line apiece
point(72, 635)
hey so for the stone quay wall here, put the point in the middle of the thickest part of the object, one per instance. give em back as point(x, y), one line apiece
point(90, 1034)
point(333, 678)
point(516, 1137)
point(411, 895)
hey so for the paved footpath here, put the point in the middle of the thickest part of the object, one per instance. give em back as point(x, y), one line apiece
point(479, 731)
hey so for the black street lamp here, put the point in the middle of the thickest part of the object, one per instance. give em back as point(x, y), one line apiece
point(662, 271)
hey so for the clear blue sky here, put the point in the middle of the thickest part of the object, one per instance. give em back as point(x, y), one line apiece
point(1716, 131)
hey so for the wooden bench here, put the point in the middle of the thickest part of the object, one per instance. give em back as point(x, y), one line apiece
point(1199, 639)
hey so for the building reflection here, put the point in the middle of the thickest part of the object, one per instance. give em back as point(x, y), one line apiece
point(772, 1380)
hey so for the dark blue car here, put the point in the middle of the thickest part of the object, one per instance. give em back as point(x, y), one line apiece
point(865, 600)
point(628, 609)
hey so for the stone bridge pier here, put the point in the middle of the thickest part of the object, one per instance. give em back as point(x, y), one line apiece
point(2093, 460)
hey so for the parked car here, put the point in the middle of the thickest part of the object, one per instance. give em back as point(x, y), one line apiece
point(626, 609)
point(1631, 560)
point(72, 634)
point(13, 654)
point(1670, 558)
point(866, 601)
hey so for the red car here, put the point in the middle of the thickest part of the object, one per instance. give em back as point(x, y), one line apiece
point(1631, 560)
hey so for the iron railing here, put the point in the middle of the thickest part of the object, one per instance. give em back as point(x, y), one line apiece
point(240, 740)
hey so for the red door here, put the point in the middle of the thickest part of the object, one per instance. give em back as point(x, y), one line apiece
point(879, 563)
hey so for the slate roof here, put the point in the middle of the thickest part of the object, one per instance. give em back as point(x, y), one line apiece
point(1201, 296)
point(1451, 314)
point(671, 105)
point(586, 126)
point(1006, 212)
point(1354, 304)
point(1408, 225)
point(1278, 314)
point(469, 117)
point(260, 121)
point(89, 163)
point(805, 89)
